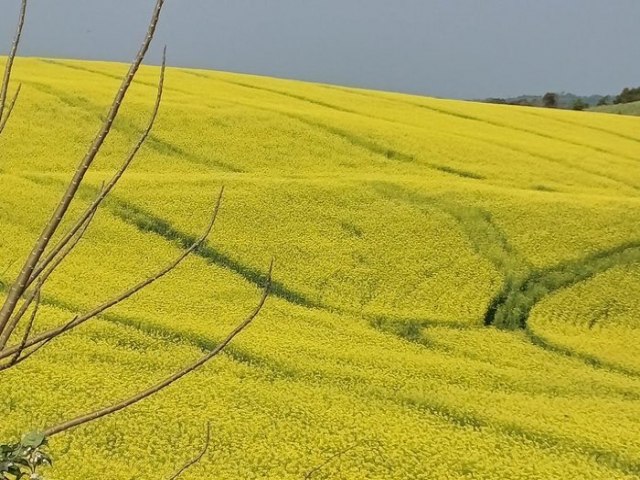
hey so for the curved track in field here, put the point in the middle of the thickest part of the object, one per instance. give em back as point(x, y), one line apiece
point(124, 126)
point(524, 286)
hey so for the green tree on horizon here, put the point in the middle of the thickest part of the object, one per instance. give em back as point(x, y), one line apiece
point(550, 100)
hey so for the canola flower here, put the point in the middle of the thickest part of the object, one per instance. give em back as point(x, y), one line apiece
point(379, 208)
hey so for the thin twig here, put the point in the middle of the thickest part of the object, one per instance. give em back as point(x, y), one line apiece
point(90, 417)
point(316, 469)
point(197, 458)
point(8, 69)
point(3, 122)
point(112, 182)
point(79, 320)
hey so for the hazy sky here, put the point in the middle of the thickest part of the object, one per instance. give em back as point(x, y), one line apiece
point(449, 48)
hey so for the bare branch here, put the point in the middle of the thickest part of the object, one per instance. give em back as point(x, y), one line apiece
point(8, 69)
point(79, 320)
point(197, 458)
point(29, 297)
point(15, 320)
point(110, 185)
point(16, 358)
point(42, 260)
point(19, 286)
point(3, 122)
point(90, 417)
point(316, 469)
point(37, 347)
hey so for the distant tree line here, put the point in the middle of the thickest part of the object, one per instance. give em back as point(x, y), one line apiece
point(549, 100)
point(568, 100)
point(628, 95)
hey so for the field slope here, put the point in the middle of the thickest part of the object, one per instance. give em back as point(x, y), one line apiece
point(632, 108)
point(456, 283)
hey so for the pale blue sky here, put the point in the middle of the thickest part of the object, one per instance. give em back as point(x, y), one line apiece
point(449, 48)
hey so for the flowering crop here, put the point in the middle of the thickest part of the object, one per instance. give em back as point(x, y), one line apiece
point(397, 224)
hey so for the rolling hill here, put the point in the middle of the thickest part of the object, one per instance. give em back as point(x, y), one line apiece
point(632, 108)
point(455, 287)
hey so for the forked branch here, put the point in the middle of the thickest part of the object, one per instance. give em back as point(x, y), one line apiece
point(29, 296)
point(90, 417)
point(61, 250)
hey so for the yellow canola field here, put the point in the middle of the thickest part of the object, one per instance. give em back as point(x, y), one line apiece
point(397, 223)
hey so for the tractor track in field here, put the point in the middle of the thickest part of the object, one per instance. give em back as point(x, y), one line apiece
point(204, 344)
point(549, 280)
point(513, 305)
point(356, 140)
point(302, 98)
point(391, 153)
point(147, 222)
point(164, 333)
point(512, 148)
point(365, 143)
point(486, 238)
point(588, 359)
point(526, 130)
point(524, 286)
point(128, 128)
point(534, 113)
point(166, 148)
point(377, 149)
point(359, 141)
point(449, 414)
point(542, 440)
point(507, 146)
point(494, 123)
point(558, 161)
point(113, 76)
point(284, 93)
point(163, 147)
point(452, 415)
point(437, 110)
